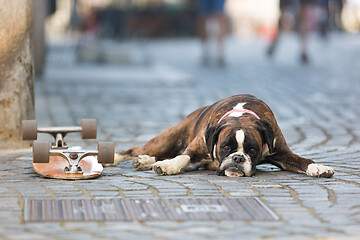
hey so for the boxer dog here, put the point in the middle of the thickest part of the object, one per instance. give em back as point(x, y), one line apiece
point(231, 136)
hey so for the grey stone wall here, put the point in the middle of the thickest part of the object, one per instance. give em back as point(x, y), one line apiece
point(16, 71)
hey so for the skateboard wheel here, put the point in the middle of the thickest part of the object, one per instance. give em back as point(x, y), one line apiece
point(41, 152)
point(106, 151)
point(88, 128)
point(29, 129)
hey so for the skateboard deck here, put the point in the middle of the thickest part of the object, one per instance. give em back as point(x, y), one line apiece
point(56, 165)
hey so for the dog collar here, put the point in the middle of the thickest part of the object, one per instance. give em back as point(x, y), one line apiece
point(242, 110)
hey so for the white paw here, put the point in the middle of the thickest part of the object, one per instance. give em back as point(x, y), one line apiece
point(165, 167)
point(171, 166)
point(143, 162)
point(318, 170)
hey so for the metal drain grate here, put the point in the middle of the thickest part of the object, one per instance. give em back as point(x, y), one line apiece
point(163, 209)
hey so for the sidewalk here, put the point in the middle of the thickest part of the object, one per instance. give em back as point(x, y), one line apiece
point(316, 107)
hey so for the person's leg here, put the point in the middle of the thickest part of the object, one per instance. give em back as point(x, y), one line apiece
point(283, 5)
point(303, 30)
point(218, 9)
point(275, 41)
point(203, 16)
point(202, 29)
point(324, 18)
point(221, 19)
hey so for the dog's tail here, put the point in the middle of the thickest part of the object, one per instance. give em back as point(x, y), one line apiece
point(118, 158)
point(124, 156)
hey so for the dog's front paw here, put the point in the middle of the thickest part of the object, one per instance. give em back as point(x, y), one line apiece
point(318, 170)
point(143, 162)
point(171, 166)
point(165, 167)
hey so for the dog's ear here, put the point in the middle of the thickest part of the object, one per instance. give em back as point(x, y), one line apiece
point(211, 137)
point(267, 133)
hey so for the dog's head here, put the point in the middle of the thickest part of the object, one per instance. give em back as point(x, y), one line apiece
point(239, 145)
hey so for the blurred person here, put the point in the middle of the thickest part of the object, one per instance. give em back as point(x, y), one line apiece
point(324, 18)
point(303, 7)
point(212, 10)
point(91, 22)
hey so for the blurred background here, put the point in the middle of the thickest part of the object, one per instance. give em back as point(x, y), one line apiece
point(100, 28)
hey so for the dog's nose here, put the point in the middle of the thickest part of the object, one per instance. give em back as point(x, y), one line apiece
point(238, 158)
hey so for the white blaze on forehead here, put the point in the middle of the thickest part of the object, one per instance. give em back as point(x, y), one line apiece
point(240, 138)
point(237, 114)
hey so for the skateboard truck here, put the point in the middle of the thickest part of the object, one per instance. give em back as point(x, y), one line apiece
point(88, 130)
point(42, 153)
point(62, 161)
point(74, 159)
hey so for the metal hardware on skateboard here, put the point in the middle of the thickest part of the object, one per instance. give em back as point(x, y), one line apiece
point(58, 160)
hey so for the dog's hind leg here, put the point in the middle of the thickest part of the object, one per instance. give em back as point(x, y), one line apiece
point(194, 153)
point(166, 145)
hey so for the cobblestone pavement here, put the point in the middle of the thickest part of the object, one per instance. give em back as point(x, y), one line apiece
point(317, 107)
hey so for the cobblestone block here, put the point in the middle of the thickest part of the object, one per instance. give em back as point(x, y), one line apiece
point(97, 187)
point(130, 186)
point(65, 194)
point(104, 193)
point(138, 194)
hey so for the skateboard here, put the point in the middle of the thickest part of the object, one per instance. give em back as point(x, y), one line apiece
point(58, 160)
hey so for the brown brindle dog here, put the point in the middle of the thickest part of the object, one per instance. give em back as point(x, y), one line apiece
point(231, 136)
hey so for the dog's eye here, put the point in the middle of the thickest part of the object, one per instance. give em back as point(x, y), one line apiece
point(226, 148)
point(252, 151)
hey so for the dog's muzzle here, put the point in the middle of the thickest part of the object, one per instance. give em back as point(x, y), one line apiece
point(236, 163)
